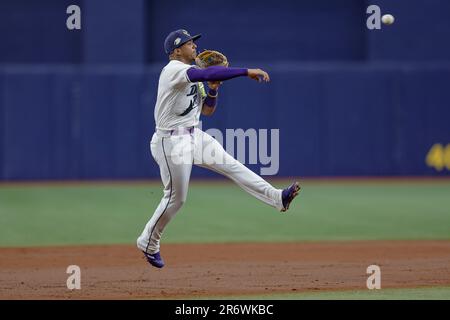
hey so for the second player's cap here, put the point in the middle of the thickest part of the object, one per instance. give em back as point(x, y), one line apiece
point(177, 38)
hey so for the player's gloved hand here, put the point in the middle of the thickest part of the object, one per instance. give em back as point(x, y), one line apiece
point(258, 75)
point(208, 58)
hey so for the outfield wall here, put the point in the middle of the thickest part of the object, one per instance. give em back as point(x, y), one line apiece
point(340, 119)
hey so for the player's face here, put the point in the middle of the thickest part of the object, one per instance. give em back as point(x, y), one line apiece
point(189, 50)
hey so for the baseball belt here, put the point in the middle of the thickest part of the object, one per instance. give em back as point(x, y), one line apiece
point(177, 131)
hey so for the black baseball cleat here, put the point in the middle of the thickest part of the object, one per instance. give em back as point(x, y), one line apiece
point(289, 194)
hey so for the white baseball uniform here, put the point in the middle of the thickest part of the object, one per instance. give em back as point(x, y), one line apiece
point(177, 144)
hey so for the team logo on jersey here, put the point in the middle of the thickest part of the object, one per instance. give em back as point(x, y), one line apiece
point(177, 41)
point(194, 101)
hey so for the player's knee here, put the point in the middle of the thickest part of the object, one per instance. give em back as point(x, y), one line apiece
point(178, 203)
point(181, 197)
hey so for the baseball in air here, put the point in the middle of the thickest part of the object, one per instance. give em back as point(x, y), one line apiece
point(388, 19)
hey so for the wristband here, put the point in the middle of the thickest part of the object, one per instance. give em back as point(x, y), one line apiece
point(211, 101)
point(212, 93)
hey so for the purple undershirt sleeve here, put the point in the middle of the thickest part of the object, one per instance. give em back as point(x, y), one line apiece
point(215, 73)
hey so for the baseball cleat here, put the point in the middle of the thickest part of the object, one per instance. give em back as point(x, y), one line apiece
point(155, 259)
point(289, 194)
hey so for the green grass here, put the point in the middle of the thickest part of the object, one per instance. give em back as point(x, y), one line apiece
point(432, 293)
point(102, 214)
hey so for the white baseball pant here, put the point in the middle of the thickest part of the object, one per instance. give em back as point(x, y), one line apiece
point(175, 155)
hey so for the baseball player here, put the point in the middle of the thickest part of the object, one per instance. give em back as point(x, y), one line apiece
point(177, 143)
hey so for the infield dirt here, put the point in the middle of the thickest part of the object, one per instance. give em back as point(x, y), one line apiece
point(208, 270)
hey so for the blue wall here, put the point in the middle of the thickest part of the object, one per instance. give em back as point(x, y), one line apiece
point(264, 30)
point(133, 31)
point(348, 101)
point(420, 33)
point(35, 32)
point(61, 122)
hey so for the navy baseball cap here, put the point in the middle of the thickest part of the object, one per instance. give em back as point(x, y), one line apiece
point(177, 38)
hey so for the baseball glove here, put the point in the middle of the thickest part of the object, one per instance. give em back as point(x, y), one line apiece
point(210, 58)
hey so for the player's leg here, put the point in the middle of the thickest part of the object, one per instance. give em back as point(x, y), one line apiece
point(175, 163)
point(223, 163)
